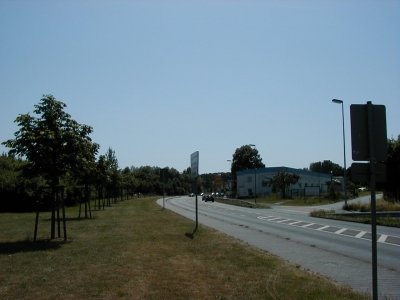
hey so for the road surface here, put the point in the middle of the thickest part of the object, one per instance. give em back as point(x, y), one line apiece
point(336, 249)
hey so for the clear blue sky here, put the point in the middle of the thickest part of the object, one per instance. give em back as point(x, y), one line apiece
point(158, 80)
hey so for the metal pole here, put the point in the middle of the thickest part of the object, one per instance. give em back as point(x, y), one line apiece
point(255, 179)
point(197, 215)
point(163, 197)
point(344, 151)
point(373, 203)
point(255, 185)
point(36, 220)
point(344, 159)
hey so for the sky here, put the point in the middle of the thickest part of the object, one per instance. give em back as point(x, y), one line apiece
point(159, 80)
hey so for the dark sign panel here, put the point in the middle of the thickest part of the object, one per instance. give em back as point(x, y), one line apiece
point(361, 173)
point(368, 132)
point(194, 163)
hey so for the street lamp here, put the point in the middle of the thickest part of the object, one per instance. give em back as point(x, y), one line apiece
point(255, 179)
point(337, 101)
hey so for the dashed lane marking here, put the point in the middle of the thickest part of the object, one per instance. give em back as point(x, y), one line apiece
point(282, 221)
point(323, 227)
point(382, 238)
point(340, 231)
point(358, 234)
point(294, 223)
point(308, 225)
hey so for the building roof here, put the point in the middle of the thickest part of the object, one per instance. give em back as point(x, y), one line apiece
point(283, 169)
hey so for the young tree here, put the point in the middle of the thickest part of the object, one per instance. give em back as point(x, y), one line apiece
point(108, 175)
point(51, 142)
point(283, 180)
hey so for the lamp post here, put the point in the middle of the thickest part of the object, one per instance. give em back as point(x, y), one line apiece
point(255, 178)
point(337, 101)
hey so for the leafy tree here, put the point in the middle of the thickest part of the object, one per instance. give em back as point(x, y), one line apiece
point(83, 165)
point(52, 142)
point(215, 182)
point(175, 182)
point(108, 177)
point(126, 180)
point(246, 157)
point(327, 167)
point(114, 179)
point(393, 169)
point(283, 180)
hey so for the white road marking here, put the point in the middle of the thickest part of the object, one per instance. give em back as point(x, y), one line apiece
point(323, 227)
point(382, 238)
point(361, 234)
point(294, 223)
point(340, 231)
point(284, 220)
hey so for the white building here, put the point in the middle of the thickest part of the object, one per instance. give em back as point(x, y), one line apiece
point(256, 181)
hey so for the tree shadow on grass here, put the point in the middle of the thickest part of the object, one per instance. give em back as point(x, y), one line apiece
point(69, 219)
point(29, 246)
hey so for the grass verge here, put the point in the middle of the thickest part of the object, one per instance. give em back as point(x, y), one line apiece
point(352, 217)
point(381, 205)
point(136, 250)
point(359, 213)
point(241, 202)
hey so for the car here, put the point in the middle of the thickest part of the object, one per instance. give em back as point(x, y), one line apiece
point(207, 198)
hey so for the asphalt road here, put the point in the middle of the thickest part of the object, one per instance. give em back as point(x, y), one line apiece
point(338, 250)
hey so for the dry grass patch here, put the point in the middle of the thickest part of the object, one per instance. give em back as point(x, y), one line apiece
point(136, 250)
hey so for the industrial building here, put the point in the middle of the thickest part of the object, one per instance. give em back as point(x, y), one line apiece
point(257, 182)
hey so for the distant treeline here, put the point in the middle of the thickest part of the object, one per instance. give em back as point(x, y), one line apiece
point(19, 190)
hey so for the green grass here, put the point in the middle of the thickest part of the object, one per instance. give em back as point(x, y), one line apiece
point(364, 219)
point(381, 206)
point(136, 250)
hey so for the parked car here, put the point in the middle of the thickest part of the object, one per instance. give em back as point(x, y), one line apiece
point(207, 198)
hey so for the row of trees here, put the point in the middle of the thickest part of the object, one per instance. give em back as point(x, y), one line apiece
point(50, 151)
point(19, 191)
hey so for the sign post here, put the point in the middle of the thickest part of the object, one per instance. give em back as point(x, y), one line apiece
point(194, 166)
point(369, 143)
point(163, 174)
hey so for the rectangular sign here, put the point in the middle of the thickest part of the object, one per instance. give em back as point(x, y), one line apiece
point(361, 173)
point(194, 163)
point(163, 174)
point(368, 129)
